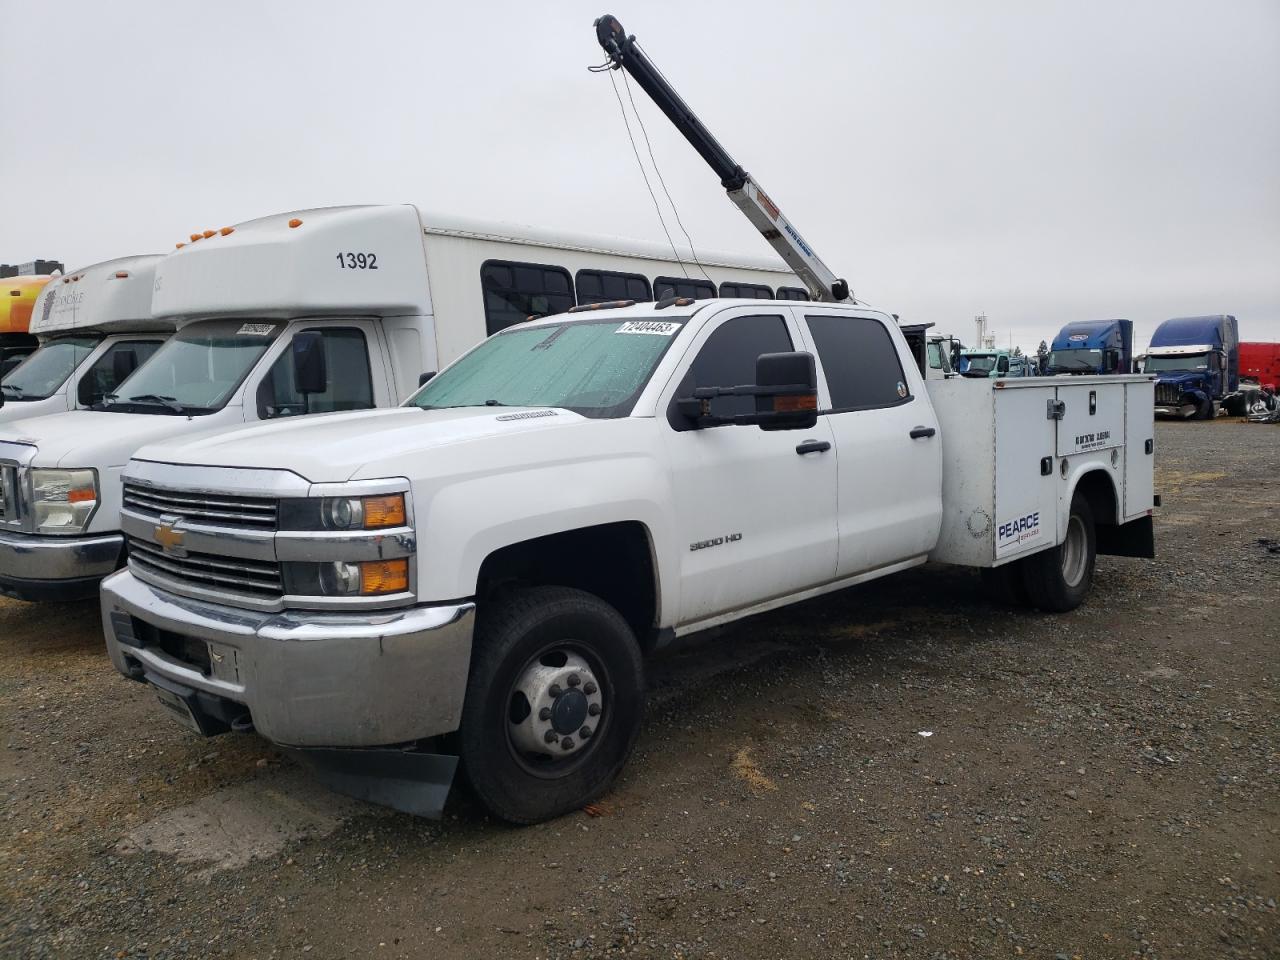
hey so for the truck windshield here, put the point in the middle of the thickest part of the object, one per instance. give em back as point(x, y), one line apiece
point(197, 370)
point(594, 367)
point(42, 373)
point(1074, 361)
point(984, 363)
point(1183, 361)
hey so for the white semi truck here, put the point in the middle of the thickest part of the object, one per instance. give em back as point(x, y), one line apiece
point(479, 575)
point(95, 328)
point(307, 312)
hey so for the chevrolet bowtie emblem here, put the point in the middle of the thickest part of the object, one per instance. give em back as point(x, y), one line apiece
point(168, 537)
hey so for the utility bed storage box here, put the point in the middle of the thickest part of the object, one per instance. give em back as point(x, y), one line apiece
point(1013, 451)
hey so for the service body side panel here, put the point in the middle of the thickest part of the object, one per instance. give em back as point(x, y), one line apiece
point(1139, 466)
point(1027, 499)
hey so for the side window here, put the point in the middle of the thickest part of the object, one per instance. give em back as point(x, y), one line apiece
point(746, 291)
point(348, 382)
point(515, 291)
point(728, 359)
point(860, 362)
point(601, 286)
point(793, 293)
point(664, 287)
point(111, 369)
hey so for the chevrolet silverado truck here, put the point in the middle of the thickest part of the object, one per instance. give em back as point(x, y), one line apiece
point(480, 574)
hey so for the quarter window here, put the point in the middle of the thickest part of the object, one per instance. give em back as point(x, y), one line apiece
point(728, 359)
point(111, 369)
point(349, 385)
point(664, 287)
point(513, 292)
point(746, 291)
point(793, 293)
point(860, 362)
point(601, 286)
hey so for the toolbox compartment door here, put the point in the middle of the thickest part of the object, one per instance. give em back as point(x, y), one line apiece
point(1093, 417)
point(1026, 498)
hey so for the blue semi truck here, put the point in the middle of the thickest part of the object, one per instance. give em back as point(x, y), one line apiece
point(1092, 347)
point(1197, 363)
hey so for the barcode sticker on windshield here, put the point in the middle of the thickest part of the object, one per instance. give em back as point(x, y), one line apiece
point(661, 328)
point(256, 330)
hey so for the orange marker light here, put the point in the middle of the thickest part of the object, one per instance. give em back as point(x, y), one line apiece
point(225, 231)
point(295, 222)
point(195, 237)
point(384, 511)
point(81, 495)
point(179, 246)
point(209, 233)
point(384, 576)
point(122, 274)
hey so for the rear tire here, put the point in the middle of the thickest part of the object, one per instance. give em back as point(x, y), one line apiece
point(1204, 411)
point(1007, 585)
point(520, 740)
point(1058, 580)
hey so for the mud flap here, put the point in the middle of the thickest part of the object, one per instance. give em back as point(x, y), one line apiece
point(415, 783)
point(1137, 538)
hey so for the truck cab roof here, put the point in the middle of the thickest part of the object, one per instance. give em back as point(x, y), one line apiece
point(108, 297)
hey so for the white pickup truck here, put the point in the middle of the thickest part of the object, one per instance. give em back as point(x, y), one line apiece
point(481, 573)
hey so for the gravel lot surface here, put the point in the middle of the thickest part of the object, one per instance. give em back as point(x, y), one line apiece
point(900, 770)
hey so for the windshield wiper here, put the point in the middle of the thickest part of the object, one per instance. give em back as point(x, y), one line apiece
point(17, 391)
point(156, 399)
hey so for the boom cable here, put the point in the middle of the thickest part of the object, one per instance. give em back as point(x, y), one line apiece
point(640, 163)
point(656, 169)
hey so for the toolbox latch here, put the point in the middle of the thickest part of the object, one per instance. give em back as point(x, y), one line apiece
point(1055, 409)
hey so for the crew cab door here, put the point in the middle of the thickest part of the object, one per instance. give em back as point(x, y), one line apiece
point(754, 508)
point(889, 500)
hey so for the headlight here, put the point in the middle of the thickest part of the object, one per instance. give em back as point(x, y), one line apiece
point(372, 578)
point(344, 513)
point(63, 501)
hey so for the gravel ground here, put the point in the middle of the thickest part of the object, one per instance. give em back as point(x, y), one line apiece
point(900, 770)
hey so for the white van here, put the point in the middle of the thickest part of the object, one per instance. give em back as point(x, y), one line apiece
point(308, 312)
point(96, 328)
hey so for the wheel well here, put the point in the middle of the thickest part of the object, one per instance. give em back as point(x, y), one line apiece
point(614, 561)
point(1100, 493)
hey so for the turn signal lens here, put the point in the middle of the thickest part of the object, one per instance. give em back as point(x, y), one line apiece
point(384, 511)
point(784, 404)
point(384, 576)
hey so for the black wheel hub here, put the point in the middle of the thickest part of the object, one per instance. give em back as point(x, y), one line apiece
point(569, 711)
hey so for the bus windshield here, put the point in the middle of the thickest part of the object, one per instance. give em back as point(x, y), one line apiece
point(42, 373)
point(197, 370)
point(594, 367)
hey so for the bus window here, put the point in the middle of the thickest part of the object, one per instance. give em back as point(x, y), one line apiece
point(515, 291)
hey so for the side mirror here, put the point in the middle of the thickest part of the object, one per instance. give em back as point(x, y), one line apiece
point(310, 371)
point(425, 378)
point(785, 391)
point(1002, 365)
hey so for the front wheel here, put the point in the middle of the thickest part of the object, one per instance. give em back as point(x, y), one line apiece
point(554, 703)
point(1057, 580)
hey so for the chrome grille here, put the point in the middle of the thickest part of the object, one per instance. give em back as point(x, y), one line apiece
point(1168, 394)
point(257, 578)
point(221, 510)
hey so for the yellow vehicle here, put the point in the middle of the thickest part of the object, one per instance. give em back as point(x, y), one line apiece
point(19, 296)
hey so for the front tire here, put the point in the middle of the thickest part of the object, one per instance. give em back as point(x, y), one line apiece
point(554, 703)
point(1058, 580)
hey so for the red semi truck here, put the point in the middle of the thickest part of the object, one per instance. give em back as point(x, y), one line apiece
point(1260, 362)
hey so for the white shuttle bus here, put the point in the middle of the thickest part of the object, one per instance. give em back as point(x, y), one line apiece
point(96, 328)
point(308, 312)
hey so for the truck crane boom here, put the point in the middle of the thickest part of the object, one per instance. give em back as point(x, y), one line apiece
point(744, 191)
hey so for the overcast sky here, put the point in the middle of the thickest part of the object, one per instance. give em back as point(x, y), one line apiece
point(1039, 162)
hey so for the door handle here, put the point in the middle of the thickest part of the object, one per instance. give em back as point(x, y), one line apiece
point(918, 433)
point(813, 446)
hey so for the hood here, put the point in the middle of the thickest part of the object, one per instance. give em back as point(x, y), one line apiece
point(332, 447)
point(1180, 378)
point(93, 438)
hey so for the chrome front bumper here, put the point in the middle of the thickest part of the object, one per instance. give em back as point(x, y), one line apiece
point(307, 678)
point(34, 567)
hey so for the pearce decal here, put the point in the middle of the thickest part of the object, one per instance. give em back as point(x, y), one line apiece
point(1092, 441)
point(1019, 530)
